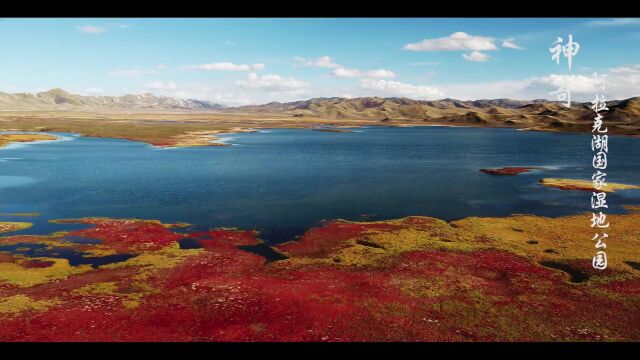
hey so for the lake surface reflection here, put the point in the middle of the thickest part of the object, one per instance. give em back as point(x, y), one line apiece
point(284, 181)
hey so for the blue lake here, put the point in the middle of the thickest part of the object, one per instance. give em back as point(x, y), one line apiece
point(283, 181)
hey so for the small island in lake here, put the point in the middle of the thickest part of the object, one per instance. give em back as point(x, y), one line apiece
point(510, 170)
point(7, 226)
point(584, 185)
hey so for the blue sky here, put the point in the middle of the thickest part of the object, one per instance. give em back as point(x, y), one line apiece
point(242, 61)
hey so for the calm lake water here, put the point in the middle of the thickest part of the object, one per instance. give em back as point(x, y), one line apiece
point(284, 181)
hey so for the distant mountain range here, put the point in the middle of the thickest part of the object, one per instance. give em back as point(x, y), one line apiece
point(403, 108)
point(58, 99)
point(375, 107)
point(623, 116)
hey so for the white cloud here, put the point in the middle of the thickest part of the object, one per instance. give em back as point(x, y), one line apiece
point(323, 62)
point(91, 29)
point(389, 88)
point(621, 83)
point(346, 73)
point(510, 44)
point(272, 82)
point(100, 29)
point(579, 84)
point(341, 71)
point(230, 98)
point(513, 89)
point(227, 66)
point(230, 43)
point(355, 73)
point(615, 22)
point(476, 56)
point(458, 41)
point(381, 74)
point(196, 91)
point(251, 90)
point(10, 88)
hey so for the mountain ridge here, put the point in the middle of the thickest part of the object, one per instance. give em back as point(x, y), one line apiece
point(59, 99)
point(623, 116)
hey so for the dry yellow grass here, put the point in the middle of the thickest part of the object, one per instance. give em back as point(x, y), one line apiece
point(161, 128)
point(539, 238)
point(6, 226)
point(15, 274)
point(6, 139)
point(13, 305)
point(584, 185)
point(166, 128)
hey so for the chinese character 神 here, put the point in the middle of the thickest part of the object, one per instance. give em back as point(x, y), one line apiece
point(599, 220)
point(600, 260)
point(569, 50)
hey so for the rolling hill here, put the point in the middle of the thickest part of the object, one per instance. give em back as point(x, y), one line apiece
point(623, 116)
point(58, 99)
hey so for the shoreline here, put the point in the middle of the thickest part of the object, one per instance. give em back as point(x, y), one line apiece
point(209, 137)
point(179, 129)
point(7, 139)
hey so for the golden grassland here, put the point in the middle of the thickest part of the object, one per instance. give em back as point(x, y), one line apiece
point(538, 238)
point(16, 274)
point(160, 129)
point(6, 139)
point(169, 129)
point(584, 185)
point(6, 226)
point(16, 304)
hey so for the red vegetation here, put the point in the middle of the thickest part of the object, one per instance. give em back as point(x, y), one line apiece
point(36, 264)
point(5, 258)
point(509, 170)
point(318, 242)
point(125, 235)
point(628, 287)
point(222, 293)
point(226, 236)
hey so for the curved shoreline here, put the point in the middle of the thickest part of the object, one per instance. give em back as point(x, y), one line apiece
point(208, 137)
point(27, 137)
point(182, 130)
